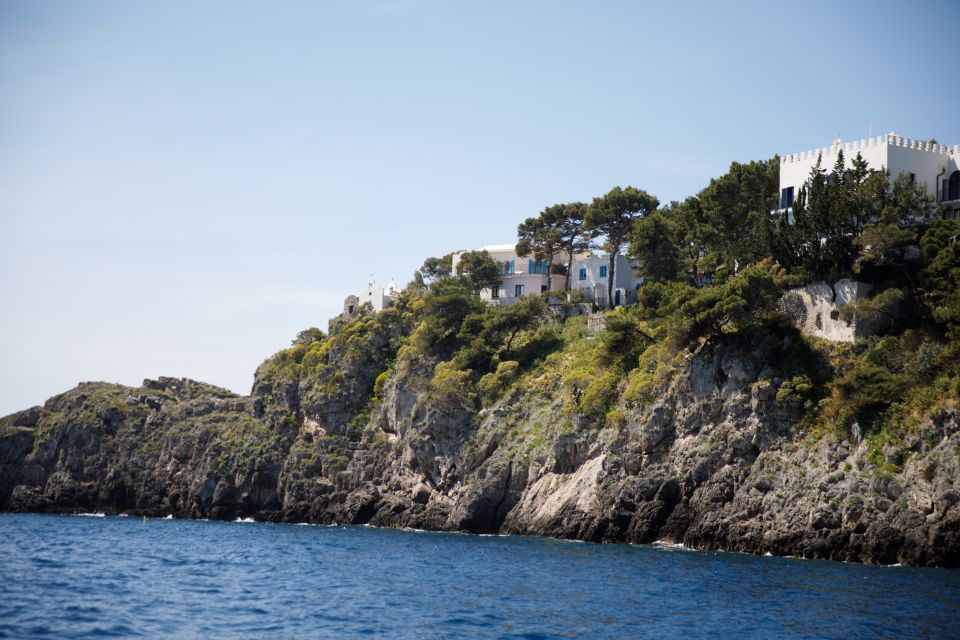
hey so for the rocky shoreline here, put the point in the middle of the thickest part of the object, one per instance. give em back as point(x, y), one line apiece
point(715, 462)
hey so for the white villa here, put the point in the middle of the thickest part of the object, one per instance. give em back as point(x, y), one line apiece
point(935, 165)
point(523, 276)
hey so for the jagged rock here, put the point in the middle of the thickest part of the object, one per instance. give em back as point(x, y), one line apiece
point(712, 463)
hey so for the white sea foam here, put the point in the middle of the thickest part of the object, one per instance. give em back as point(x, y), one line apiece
point(169, 517)
point(669, 545)
point(91, 515)
point(244, 520)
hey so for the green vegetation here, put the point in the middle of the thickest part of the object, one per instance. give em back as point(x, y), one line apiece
point(557, 228)
point(612, 216)
point(479, 270)
point(715, 265)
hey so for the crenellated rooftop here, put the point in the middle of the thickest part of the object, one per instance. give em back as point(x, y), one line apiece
point(851, 148)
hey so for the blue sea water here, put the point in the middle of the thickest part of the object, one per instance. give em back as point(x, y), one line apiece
point(92, 577)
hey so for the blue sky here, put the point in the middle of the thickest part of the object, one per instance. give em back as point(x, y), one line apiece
point(184, 186)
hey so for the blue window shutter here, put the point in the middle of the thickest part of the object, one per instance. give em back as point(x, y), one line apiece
point(529, 266)
point(512, 266)
point(583, 273)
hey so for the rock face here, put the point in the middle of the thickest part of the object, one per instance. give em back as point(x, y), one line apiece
point(712, 463)
point(815, 310)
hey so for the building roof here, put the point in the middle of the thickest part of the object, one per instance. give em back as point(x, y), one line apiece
point(498, 248)
point(851, 148)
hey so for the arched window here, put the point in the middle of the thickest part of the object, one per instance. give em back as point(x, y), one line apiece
point(952, 187)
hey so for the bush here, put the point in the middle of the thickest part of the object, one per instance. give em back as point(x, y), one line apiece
point(926, 362)
point(796, 392)
point(615, 419)
point(493, 384)
point(863, 393)
point(599, 394)
point(453, 385)
point(623, 339)
point(737, 303)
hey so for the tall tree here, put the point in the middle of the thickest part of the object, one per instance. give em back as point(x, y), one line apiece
point(612, 216)
point(567, 219)
point(653, 243)
point(560, 228)
point(694, 238)
point(434, 268)
point(536, 237)
point(736, 210)
point(480, 270)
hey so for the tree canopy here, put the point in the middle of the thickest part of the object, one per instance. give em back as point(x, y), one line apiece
point(612, 216)
point(480, 270)
point(557, 229)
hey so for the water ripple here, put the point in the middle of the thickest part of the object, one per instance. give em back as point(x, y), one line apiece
point(123, 577)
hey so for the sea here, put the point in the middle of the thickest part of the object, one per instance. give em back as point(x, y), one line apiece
point(94, 576)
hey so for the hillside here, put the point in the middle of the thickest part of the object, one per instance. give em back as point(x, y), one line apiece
point(697, 415)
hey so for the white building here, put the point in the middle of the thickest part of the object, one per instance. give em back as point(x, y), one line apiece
point(525, 275)
point(377, 297)
point(590, 275)
point(520, 276)
point(934, 165)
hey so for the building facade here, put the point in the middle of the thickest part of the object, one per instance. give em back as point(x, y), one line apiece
point(933, 165)
point(378, 298)
point(590, 274)
point(521, 276)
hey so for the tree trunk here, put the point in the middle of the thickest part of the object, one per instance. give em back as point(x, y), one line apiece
point(610, 274)
point(549, 272)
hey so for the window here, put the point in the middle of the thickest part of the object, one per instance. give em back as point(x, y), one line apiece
point(537, 266)
point(913, 178)
point(543, 288)
point(495, 292)
point(786, 198)
point(603, 271)
point(518, 290)
point(583, 273)
point(953, 186)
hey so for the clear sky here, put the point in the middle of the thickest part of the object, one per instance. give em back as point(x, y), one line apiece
point(185, 185)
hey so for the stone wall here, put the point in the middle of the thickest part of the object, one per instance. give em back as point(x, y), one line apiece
point(815, 309)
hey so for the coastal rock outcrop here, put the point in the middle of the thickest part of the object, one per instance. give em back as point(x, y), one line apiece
point(714, 462)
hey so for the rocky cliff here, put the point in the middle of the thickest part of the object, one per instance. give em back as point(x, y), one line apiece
point(712, 459)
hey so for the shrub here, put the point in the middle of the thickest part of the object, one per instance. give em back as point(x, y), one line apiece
point(451, 384)
point(863, 392)
point(492, 384)
point(622, 340)
point(796, 392)
point(926, 361)
point(598, 395)
point(615, 419)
